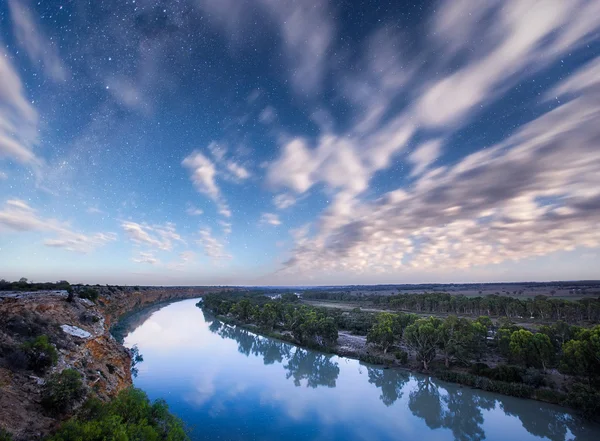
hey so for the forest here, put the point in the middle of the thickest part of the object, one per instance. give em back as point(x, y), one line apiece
point(540, 307)
point(559, 363)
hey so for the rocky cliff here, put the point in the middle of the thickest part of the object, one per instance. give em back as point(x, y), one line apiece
point(79, 329)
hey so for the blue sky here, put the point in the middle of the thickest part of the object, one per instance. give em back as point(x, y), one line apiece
point(299, 142)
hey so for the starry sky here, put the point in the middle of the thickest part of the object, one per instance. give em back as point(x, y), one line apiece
point(288, 142)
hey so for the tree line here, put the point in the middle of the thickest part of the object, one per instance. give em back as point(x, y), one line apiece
point(540, 307)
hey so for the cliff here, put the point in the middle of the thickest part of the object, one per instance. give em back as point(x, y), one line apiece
point(79, 329)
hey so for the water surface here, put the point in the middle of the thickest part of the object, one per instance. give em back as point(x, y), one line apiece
point(229, 384)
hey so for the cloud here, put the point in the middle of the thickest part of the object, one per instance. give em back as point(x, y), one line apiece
point(203, 174)
point(41, 50)
point(185, 258)
point(267, 115)
point(283, 201)
point(212, 247)
point(226, 227)
point(270, 219)
point(94, 210)
point(424, 156)
point(585, 80)
point(18, 216)
point(193, 211)
point(144, 257)
point(306, 30)
point(512, 44)
point(237, 170)
point(157, 236)
point(3, 176)
point(530, 195)
point(18, 118)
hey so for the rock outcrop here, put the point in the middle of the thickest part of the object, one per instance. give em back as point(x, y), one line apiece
point(79, 329)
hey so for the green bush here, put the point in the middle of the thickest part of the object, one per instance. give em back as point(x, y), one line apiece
point(5, 435)
point(585, 399)
point(401, 356)
point(130, 416)
point(550, 396)
point(62, 390)
point(90, 294)
point(513, 389)
point(41, 354)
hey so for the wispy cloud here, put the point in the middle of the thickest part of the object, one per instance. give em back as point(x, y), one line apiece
point(42, 51)
point(193, 211)
point(156, 236)
point(213, 248)
point(411, 226)
point(145, 257)
point(18, 216)
point(18, 118)
point(270, 219)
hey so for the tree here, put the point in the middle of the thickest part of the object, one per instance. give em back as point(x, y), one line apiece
point(268, 316)
point(382, 332)
point(581, 356)
point(423, 337)
point(531, 349)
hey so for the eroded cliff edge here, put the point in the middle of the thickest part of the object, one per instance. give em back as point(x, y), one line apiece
point(80, 331)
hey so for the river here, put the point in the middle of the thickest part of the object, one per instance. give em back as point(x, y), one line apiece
point(226, 383)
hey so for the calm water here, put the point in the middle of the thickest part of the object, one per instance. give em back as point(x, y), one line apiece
point(230, 384)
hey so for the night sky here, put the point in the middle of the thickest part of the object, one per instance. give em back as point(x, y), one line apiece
point(299, 142)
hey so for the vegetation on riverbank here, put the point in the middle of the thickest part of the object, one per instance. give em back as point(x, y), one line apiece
point(519, 362)
point(130, 416)
point(541, 307)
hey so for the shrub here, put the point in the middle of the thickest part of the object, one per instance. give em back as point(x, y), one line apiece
point(130, 416)
point(534, 378)
point(5, 435)
point(513, 389)
point(62, 391)
point(41, 354)
point(550, 396)
point(584, 399)
point(401, 356)
point(90, 294)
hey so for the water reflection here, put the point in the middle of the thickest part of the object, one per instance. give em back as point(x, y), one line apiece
point(238, 385)
point(303, 366)
point(391, 382)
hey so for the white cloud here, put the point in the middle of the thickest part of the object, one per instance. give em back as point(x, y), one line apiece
point(18, 216)
point(424, 156)
point(203, 174)
point(41, 50)
point(586, 79)
point(270, 219)
point(193, 211)
point(283, 201)
point(144, 257)
point(237, 170)
point(226, 227)
point(213, 248)
point(157, 236)
point(94, 210)
point(486, 209)
point(18, 118)
point(3, 176)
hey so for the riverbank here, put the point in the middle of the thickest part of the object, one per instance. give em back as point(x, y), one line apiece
point(355, 347)
point(79, 330)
